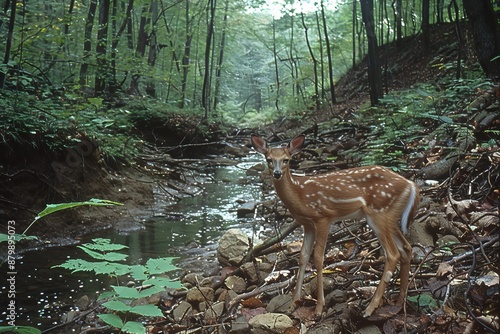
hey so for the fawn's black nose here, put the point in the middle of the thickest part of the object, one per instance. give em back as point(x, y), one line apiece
point(277, 174)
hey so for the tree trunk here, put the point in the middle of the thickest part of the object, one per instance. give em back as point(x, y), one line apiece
point(102, 73)
point(87, 43)
point(153, 48)
point(10, 34)
point(140, 50)
point(205, 97)
point(374, 76)
point(275, 55)
point(218, 69)
point(486, 31)
point(425, 25)
point(315, 64)
point(329, 55)
point(186, 57)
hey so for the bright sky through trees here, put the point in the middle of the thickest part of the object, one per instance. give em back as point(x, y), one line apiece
point(280, 8)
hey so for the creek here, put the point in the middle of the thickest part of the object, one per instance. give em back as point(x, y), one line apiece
point(187, 229)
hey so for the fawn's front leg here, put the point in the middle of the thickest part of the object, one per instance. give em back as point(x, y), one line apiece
point(305, 253)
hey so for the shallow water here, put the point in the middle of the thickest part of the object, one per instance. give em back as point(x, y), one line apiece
point(189, 226)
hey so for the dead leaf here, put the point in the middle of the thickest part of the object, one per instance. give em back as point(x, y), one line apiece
point(385, 312)
point(444, 269)
point(294, 247)
point(252, 302)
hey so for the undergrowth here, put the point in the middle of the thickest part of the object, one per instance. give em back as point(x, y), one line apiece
point(403, 118)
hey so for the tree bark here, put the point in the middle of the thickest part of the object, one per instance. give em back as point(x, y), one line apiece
point(374, 76)
point(486, 31)
point(10, 34)
point(329, 55)
point(220, 59)
point(186, 57)
point(205, 97)
point(87, 43)
point(315, 64)
point(425, 25)
point(102, 73)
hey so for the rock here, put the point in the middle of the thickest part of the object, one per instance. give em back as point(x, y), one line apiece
point(83, 303)
point(246, 209)
point(227, 295)
point(233, 246)
point(69, 317)
point(270, 323)
point(256, 169)
point(236, 283)
point(240, 326)
point(213, 313)
point(182, 312)
point(280, 303)
point(370, 329)
point(193, 279)
point(311, 288)
point(256, 272)
point(200, 294)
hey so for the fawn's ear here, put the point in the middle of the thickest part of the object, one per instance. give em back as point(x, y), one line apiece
point(296, 144)
point(258, 144)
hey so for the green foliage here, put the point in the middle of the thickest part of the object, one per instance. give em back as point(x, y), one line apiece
point(121, 297)
point(424, 302)
point(404, 117)
point(19, 330)
point(51, 208)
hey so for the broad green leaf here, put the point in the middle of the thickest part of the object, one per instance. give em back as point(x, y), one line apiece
point(147, 310)
point(134, 327)
point(164, 282)
point(111, 256)
point(161, 265)
point(137, 272)
point(126, 292)
point(17, 237)
point(116, 305)
point(150, 291)
point(111, 319)
point(51, 208)
point(104, 245)
point(106, 295)
point(110, 268)
point(20, 330)
point(76, 265)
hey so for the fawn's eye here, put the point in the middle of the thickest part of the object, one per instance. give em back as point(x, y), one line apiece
point(269, 161)
point(286, 161)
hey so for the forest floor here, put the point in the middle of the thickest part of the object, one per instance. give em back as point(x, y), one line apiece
point(462, 191)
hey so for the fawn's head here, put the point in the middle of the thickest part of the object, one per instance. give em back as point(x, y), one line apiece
point(278, 158)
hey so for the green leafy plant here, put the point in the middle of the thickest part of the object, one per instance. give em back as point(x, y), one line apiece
point(19, 330)
point(121, 299)
point(12, 238)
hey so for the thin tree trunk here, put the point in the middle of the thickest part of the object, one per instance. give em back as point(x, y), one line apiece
point(329, 55)
point(102, 73)
point(218, 69)
point(87, 43)
point(140, 50)
point(205, 97)
point(315, 64)
point(275, 55)
point(186, 57)
point(10, 34)
point(374, 76)
point(153, 48)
